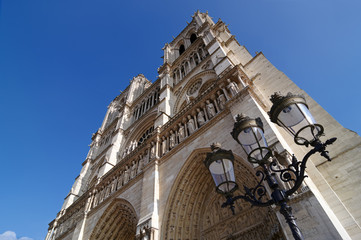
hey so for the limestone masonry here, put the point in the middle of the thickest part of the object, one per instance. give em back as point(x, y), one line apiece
point(144, 176)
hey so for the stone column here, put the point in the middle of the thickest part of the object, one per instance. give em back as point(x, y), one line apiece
point(205, 113)
point(195, 121)
point(216, 105)
point(226, 94)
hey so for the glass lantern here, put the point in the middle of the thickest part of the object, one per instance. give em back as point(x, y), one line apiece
point(249, 134)
point(220, 164)
point(291, 112)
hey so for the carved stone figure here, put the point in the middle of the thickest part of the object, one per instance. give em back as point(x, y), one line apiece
point(120, 181)
point(152, 150)
point(114, 184)
point(140, 164)
point(164, 145)
point(145, 157)
point(96, 199)
point(232, 87)
point(107, 190)
point(210, 109)
point(180, 132)
point(133, 171)
point(125, 152)
point(126, 175)
point(188, 99)
point(221, 100)
point(135, 144)
point(171, 139)
point(200, 117)
point(190, 124)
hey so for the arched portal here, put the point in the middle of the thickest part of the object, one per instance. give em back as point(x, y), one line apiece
point(194, 208)
point(118, 222)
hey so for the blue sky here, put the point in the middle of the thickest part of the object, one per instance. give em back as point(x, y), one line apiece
point(62, 62)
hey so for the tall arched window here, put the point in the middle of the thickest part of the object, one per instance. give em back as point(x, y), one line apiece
point(193, 37)
point(181, 49)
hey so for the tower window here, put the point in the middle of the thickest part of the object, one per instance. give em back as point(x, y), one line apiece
point(181, 49)
point(193, 37)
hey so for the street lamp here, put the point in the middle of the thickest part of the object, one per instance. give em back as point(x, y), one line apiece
point(290, 112)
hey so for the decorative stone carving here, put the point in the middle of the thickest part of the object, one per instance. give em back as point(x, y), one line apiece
point(190, 124)
point(120, 181)
point(188, 99)
point(164, 145)
point(126, 175)
point(221, 100)
point(152, 150)
point(200, 117)
point(171, 139)
point(140, 164)
point(194, 87)
point(146, 157)
point(232, 87)
point(114, 184)
point(133, 172)
point(210, 109)
point(180, 132)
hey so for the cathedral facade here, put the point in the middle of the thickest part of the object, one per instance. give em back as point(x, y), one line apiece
point(144, 176)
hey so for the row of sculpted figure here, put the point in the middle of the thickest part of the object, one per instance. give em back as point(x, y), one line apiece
point(203, 114)
point(128, 172)
point(132, 145)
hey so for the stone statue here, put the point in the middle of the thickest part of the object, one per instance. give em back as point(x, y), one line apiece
point(152, 150)
point(210, 109)
point(171, 139)
point(125, 152)
point(96, 199)
point(140, 164)
point(126, 175)
point(232, 87)
point(188, 99)
point(164, 145)
point(133, 171)
point(221, 100)
point(120, 181)
point(114, 185)
point(180, 132)
point(145, 157)
point(190, 124)
point(200, 117)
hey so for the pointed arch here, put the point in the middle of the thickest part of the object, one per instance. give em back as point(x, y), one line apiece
point(119, 221)
point(194, 210)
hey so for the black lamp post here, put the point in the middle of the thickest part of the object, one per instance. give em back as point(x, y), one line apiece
point(290, 112)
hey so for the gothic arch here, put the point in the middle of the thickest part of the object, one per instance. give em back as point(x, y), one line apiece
point(194, 210)
point(140, 127)
point(118, 222)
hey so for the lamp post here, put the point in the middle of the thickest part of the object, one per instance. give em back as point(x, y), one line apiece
point(290, 112)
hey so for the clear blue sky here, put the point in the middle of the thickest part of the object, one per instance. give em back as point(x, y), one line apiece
point(62, 62)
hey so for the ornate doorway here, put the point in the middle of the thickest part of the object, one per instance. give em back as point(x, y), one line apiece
point(194, 208)
point(118, 222)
